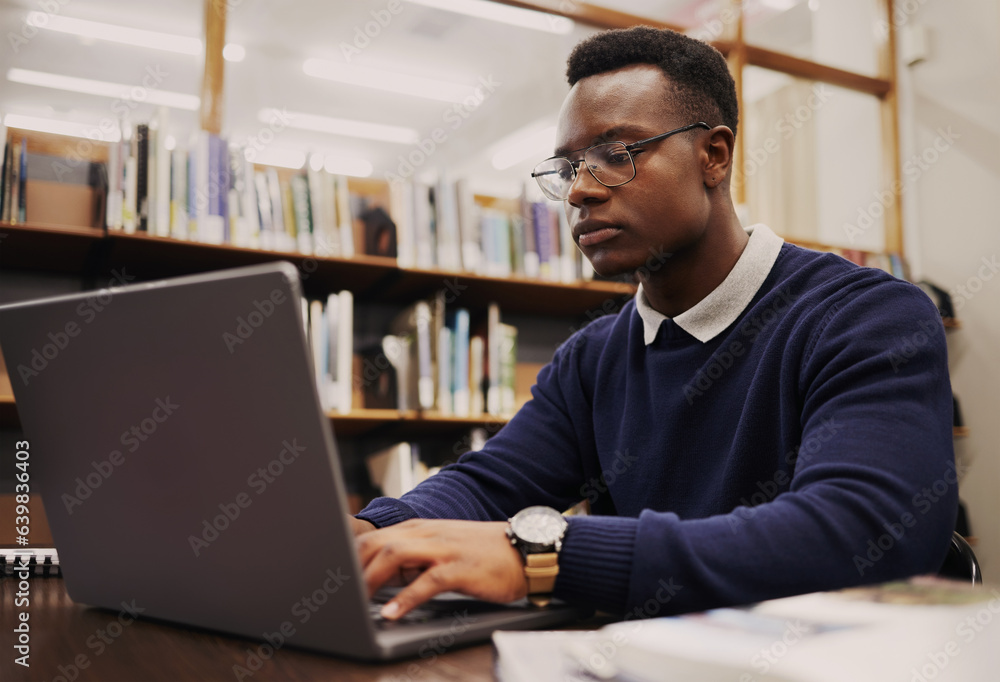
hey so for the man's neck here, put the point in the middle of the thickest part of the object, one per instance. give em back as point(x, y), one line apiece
point(693, 274)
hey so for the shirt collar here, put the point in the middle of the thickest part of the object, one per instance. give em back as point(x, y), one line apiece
point(707, 318)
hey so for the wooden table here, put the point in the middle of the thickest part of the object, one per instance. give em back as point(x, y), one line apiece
point(74, 643)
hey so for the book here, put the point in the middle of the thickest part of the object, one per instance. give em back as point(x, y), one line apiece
point(508, 369)
point(142, 177)
point(345, 351)
point(445, 364)
point(492, 364)
point(468, 224)
point(477, 402)
point(449, 254)
point(919, 630)
point(459, 324)
point(396, 470)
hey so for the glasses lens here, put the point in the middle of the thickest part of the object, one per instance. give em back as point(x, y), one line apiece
point(555, 176)
point(610, 163)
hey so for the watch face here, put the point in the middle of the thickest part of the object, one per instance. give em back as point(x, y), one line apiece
point(540, 525)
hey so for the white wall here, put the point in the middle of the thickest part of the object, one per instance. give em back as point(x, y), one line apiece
point(952, 207)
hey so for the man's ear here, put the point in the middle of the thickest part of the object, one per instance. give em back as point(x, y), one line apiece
point(718, 155)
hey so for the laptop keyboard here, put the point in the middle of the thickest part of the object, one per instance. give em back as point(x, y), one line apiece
point(434, 611)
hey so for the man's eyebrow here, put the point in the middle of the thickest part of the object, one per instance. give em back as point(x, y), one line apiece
point(610, 135)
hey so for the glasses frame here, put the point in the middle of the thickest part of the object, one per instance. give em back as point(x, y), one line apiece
point(629, 148)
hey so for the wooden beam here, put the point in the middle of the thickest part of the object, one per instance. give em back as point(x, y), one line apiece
point(889, 109)
point(736, 55)
point(212, 81)
point(592, 15)
point(803, 68)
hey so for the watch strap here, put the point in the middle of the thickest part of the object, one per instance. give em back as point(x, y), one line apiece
point(541, 571)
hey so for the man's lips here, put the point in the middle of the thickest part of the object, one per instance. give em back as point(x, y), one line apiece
point(591, 232)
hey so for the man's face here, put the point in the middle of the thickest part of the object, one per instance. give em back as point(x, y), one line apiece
point(665, 207)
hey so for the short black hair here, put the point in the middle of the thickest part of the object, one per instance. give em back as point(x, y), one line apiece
point(701, 86)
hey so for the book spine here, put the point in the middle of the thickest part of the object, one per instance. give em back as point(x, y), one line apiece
point(492, 369)
point(131, 187)
point(508, 369)
point(22, 205)
point(142, 177)
point(477, 405)
point(15, 184)
point(303, 215)
point(460, 369)
point(425, 373)
point(344, 218)
point(345, 352)
point(445, 362)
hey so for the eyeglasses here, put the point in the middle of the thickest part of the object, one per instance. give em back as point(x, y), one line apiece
point(610, 163)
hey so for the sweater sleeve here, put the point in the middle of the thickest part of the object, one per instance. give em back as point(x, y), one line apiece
point(534, 459)
point(873, 494)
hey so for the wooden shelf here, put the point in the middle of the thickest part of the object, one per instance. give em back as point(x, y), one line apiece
point(951, 322)
point(960, 431)
point(410, 423)
point(94, 252)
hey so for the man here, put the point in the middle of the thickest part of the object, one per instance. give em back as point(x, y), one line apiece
point(761, 421)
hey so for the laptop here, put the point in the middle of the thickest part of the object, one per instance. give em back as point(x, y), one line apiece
point(189, 473)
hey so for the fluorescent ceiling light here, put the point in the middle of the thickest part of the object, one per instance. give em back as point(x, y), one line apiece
point(271, 156)
point(137, 93)
point(779, 5)
point(341, 126)
point(389, 81)
point(57, 127)
point(234, 53)
point(343, 165)
point(515, 16)
point(125, 35)
point(518, 148)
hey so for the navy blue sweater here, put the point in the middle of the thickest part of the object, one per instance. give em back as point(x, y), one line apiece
point(807, 447)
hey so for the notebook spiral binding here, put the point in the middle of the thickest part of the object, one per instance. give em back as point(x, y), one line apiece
point(42, 562)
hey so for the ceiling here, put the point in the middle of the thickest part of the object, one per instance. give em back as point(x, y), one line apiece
point(525, 67)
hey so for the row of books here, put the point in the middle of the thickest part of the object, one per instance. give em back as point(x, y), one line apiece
point(330, 327)
point(13, 176)
point(399, 468)
point(893, 263)
point(429, 359)
point(207, 190)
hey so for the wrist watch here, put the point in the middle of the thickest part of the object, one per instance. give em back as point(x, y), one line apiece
point(537, 533)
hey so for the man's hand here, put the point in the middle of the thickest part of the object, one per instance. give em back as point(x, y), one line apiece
point(359, 527)
point(471, 557)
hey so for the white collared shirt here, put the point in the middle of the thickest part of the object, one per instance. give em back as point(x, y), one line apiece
point(712, 314)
